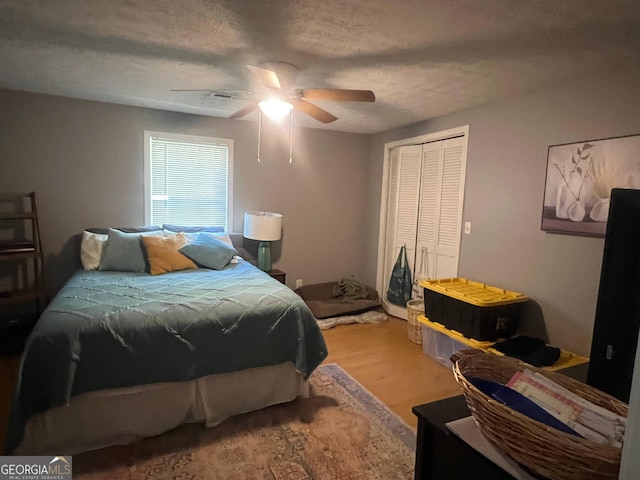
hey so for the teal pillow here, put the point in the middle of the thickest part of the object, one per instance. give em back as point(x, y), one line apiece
point(208, 251)
point(123, 252)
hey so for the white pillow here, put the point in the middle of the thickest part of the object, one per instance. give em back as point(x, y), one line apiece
point(91, 249)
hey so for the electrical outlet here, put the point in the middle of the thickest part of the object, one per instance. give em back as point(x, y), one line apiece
point(298, 283)
point(467, 228)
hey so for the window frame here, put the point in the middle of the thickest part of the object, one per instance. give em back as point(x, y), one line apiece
point(181, 137)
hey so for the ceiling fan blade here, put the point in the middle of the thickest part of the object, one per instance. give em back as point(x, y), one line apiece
point(245, 110)
point(190, 90)
point(268, 78)
point(313, 111)
point(338, 95)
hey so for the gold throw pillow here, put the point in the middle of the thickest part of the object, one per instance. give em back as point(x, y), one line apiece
point(163, 254)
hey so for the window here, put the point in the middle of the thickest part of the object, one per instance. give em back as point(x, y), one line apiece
point(188, 180)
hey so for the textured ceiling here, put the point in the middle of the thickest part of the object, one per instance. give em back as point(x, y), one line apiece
point(422, 58)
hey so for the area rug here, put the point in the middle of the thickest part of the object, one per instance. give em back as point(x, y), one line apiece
point(340, 432)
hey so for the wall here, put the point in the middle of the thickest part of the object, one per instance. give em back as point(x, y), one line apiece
point(504, 191)
point(85, 161)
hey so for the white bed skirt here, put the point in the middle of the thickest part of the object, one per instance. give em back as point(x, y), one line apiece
point(123, 415)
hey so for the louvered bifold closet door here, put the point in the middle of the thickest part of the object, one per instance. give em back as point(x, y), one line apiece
point(402, 206)
point(450, 210)
point(429, 213)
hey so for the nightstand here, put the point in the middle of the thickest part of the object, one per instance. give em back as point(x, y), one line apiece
point(278, 275)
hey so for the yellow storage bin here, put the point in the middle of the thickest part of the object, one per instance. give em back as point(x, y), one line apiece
point(439, 343)
point(472, 308)
point(475, 293)
point(566, 360)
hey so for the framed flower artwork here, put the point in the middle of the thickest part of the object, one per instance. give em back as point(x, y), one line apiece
point(579, 180)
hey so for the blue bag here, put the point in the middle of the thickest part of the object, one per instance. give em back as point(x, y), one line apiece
point(400, 283)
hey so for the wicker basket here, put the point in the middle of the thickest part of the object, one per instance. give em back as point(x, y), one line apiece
point(544, 450)
point(415, 308)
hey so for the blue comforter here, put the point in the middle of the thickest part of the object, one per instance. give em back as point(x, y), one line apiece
point(114, 329)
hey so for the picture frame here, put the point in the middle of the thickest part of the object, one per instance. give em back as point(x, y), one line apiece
point(579, 179)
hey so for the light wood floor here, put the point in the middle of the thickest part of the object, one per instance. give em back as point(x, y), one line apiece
point(379, 356)
point(385, 362)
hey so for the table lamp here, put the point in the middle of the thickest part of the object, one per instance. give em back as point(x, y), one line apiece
point(265, 227)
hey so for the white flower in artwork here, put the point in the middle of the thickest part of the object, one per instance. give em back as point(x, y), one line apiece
point(569, 201)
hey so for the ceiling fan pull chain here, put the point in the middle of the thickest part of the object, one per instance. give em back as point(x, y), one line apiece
point(259, 132)
point(291, 137)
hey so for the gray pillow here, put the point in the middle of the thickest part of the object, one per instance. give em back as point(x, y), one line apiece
point(123, 252)
point(208, 251)
point(142, 229)
point(191, 229)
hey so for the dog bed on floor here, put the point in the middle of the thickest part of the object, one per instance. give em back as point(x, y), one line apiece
point(365, 317)
point(323, 303)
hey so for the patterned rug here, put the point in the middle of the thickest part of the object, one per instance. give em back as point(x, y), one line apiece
point(340, 432)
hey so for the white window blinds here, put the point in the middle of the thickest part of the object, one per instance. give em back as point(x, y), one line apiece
point(188, 180)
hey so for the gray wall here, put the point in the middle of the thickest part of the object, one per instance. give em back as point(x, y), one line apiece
point(85, 161)
point(504, 191)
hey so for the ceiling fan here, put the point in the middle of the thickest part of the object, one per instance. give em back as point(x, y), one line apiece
point(280, 94)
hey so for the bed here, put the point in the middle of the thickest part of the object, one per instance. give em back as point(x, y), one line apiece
point(118, 356)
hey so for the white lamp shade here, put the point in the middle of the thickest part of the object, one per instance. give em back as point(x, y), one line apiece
point(263, 226)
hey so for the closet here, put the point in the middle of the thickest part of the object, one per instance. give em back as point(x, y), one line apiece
point(423, 211)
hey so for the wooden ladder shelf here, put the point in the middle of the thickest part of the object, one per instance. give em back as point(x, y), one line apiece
point(23, 294)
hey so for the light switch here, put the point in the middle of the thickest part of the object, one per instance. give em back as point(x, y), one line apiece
point(467, 228)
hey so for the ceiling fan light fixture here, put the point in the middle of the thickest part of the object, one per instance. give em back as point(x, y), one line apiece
point(275, 108)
